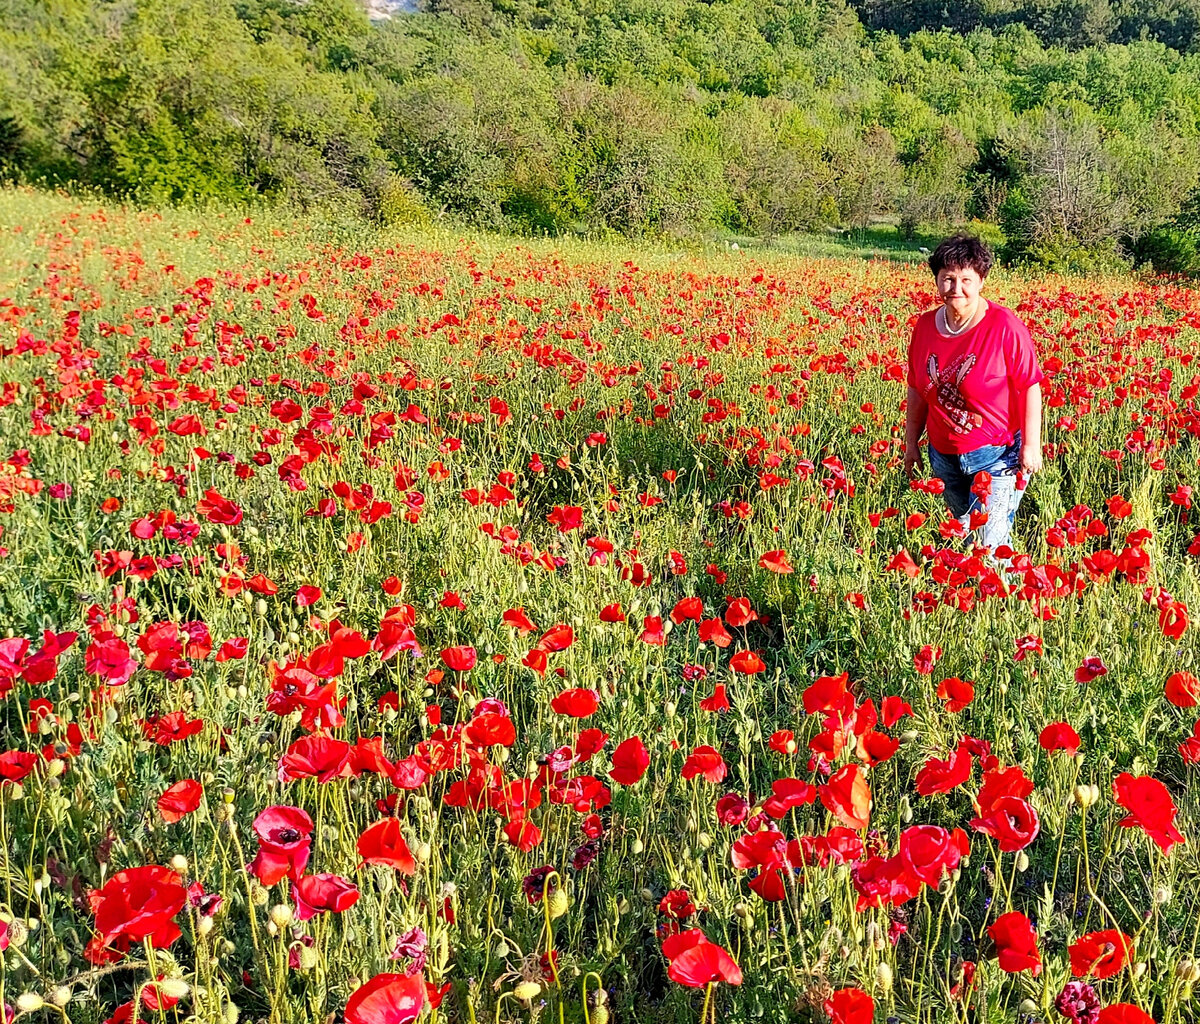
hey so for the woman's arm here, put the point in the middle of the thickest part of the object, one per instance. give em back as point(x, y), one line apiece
point(916, 412)
point(1031, 431)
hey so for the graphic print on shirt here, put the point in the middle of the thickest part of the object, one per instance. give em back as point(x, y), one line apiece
point(949, 395)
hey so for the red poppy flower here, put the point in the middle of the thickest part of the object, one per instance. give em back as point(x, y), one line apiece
point(652, 631)
point(942, 776)
point(107, 656)
point(828, 693)
point(16, 765)
point(1059, 736)
point(718, 701)
point(612, 613)
point(490, 730)
point(926, 658)
point(1016, 944)
point(180, 800)
point(524, 835)
point(1092, 668)
point(138, 904)
point(1011, 821)
point(217, 509)
point(1173, 619)
point(307, 595)
point(579, 702)
point(387, 999)
point(687, 608)
point(776, 561)
point(704, 761)
point(517, 618)
point(696, 962)
point(1124, 1013)
point(320, 757)
point(1100, 954)
point(712, 631)
point(747, 662)
point(557, 638)
point(317, 894)
point(284, 842)
point(848, 797)
point(1150, 808)
point(1183, 689)
point(786, 794)
point(460, 659)
point(957, 693)
point(928, 852)
point(850, 1006)
point(630, 761)
point(739, 613)
point(383, 843)
point(566, 518)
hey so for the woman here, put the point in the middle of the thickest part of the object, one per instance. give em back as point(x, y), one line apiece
point(974, 383)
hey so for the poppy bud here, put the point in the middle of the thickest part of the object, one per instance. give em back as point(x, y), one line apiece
point(281, 915)
point(599, 1014)
point(906, 813)
point(61, 996)
point(204, 926)
point(527, 991)
point(1140, 968)
point(956, 931)
point(309, 958)
point(883, 978)
point(911, 736)
point(179, 864)
point(704, 840)
point(1086, 796)
point(946, 885)
point(1163, 894)
point(174, 988)
point(557, 903)
point(669, 708)
point(258, 895)
point(501, 949)
point(230, 1013)
point(1027, 1007)
point(56, 767)
point(637, 846)
point(647, 895)
point(29, 1002)
point(1022, 861)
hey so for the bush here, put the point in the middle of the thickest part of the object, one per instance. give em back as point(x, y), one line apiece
point(1169, 250)
point(401, 205)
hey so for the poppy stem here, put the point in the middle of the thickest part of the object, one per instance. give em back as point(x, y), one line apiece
point(587, 1017)
point(707, 999)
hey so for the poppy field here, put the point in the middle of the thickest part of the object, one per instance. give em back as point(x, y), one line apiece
point(408, 627)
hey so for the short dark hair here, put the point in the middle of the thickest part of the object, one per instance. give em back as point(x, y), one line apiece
point(960, 251)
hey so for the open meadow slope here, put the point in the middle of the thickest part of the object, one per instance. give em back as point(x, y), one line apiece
point(397, 621)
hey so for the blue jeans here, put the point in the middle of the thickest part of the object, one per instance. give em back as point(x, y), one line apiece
point(957, 472)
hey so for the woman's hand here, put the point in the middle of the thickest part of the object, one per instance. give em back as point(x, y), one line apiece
point(1031, 459)
point(912, 461)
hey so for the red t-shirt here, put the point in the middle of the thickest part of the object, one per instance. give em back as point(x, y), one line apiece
point(972, 383)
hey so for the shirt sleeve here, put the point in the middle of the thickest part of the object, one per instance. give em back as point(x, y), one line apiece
point(1021, 355)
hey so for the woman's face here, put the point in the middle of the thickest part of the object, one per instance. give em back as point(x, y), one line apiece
point(959, 288)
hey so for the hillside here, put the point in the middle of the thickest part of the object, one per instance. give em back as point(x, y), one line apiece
point(673, 118)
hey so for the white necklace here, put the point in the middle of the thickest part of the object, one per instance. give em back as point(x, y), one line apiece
point(950, 330)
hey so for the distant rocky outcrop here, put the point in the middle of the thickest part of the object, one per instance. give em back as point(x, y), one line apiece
point(377, 10)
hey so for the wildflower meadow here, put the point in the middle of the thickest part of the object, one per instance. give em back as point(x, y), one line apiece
point(404, 626)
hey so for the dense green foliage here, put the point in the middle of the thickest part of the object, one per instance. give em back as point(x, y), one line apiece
point(631, 115)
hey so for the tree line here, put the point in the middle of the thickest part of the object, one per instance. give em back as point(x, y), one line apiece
point(633, 116)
